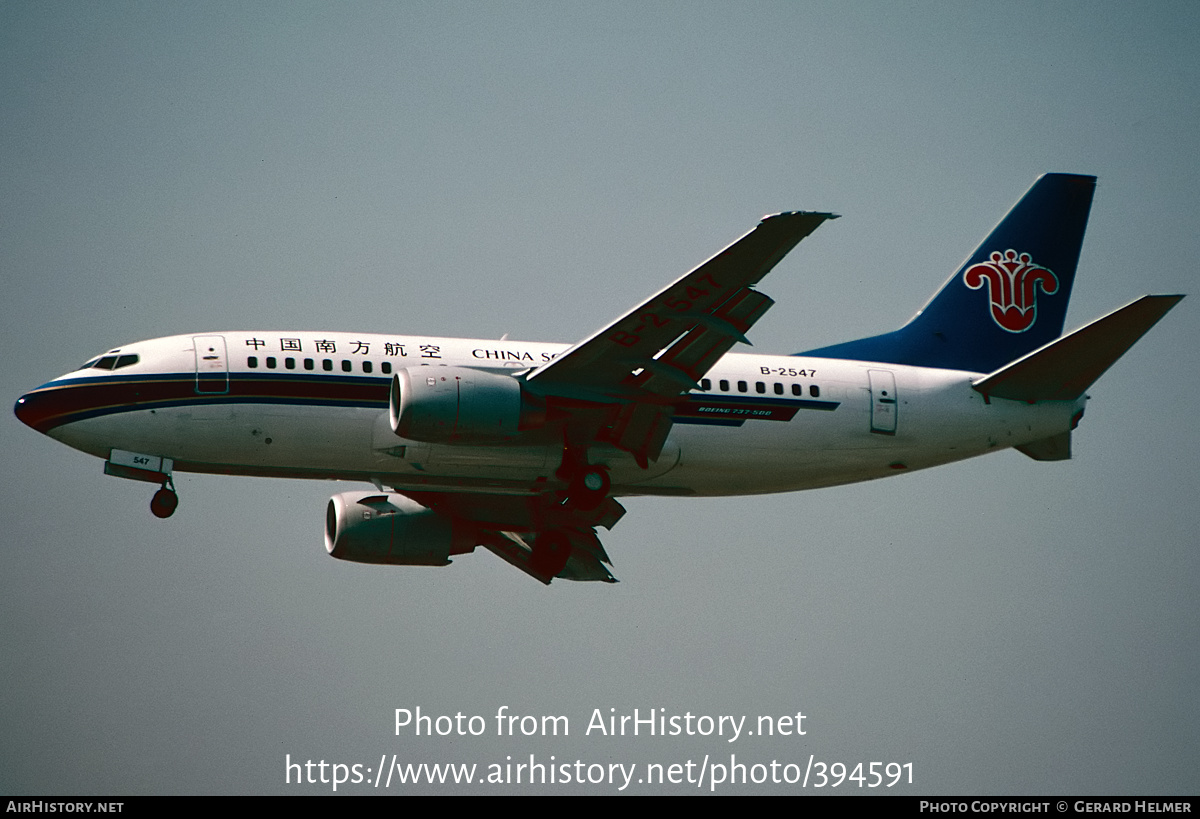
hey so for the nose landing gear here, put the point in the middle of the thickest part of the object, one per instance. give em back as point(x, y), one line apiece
point(165, 501)
point(136, 466)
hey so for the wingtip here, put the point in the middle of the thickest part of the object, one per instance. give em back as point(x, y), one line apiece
point(793, 213)
point(1171, 299)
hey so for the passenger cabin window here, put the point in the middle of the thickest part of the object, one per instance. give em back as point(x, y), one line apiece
point(386, 366)
point(724, 385)
point(252, 361)
point(778, 388)
point(326, 365)
point(366, 366)
point(705, 384)
point(270, 362)
point(290, 363)
point(814, 391)
point(346, 366)
point(742, 386)
point(797, 389)
point(309, 364)
point(760, 386)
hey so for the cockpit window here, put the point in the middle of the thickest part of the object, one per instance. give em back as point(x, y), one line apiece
point(89, 364)
point(112, 362)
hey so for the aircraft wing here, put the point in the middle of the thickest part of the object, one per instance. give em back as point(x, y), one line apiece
point(509, 526)
point(639, 364)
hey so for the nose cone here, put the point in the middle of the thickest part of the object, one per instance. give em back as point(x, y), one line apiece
point(22, 409)
point(33, 409)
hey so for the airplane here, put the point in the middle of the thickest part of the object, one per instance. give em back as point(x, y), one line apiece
point(524, 447)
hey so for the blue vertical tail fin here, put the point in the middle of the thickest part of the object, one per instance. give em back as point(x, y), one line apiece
point(1007, 299)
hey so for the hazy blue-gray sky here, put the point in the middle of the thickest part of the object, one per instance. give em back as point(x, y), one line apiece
point(535, 169)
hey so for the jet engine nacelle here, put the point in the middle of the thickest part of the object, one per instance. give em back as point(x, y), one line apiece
point(365, 527)
point(443, 405)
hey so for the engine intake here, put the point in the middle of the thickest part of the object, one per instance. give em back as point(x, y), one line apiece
point(365, 527)
point(461, 405)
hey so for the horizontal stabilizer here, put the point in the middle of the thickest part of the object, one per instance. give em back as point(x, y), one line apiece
point(1063, 370)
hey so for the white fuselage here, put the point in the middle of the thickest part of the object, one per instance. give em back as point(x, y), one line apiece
point(314, 405)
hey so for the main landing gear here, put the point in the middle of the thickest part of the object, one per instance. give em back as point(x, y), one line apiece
point(589, 487)
point(165, 501)
point(587, 484)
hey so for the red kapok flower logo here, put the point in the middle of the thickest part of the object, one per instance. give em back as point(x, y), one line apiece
point(1013, 280)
